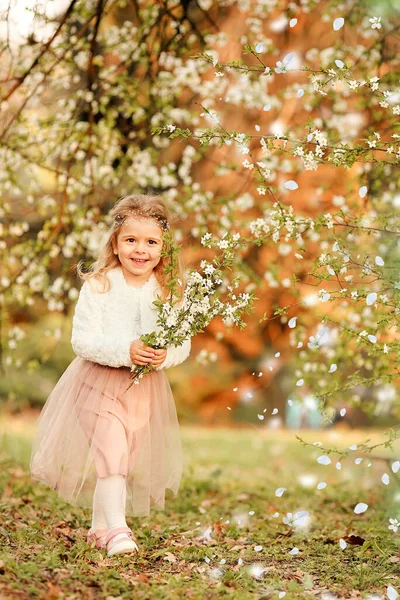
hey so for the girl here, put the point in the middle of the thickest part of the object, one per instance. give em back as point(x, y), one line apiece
point(99, 443)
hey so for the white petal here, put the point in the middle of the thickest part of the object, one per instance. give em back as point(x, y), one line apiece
point(290, 185)
point(379, 261)
point(277, 354)
point(240, 561)
point(260, 47)
point(325, 297)
point(339, 63)
point(292, 322)
point(342, 544)
point(324, 460)
point(290, 402)
point(294, 551)
point(300, 93)
point(280, 491)
point(360, 508)
point(267, 107)
point(261, 417)
point(342, 412)
point(338, 23)
point(288, 58)
point(258, 548)
point(371, 298)
point(396, 466)
point(283, 594)
point(362, 192)
point(353, 447)
point(391, 593)
point(385, 479)
point(358, 460)
point(299, 382)
point(339, 466)
point(372, 338)
point(274, 412)
point(321, 485)
point(332, 368)
point(292, 23)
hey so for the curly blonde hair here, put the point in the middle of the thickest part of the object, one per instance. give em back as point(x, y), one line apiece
point(149, 206)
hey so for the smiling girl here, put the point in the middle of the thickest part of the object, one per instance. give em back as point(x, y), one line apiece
point(96, 445)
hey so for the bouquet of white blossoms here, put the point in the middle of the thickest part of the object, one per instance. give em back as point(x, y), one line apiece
point(206, 296)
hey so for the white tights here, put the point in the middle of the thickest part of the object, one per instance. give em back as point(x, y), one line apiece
point(109, 503)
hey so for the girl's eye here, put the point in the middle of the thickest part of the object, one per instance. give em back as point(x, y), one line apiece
point(133, 239)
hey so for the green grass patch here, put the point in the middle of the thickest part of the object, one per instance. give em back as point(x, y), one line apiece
point(206, 544)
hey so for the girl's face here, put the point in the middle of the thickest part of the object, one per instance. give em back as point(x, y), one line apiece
point(138, 246)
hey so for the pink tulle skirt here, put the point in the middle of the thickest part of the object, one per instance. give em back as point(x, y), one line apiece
point(92, 427)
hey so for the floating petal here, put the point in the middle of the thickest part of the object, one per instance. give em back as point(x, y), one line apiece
point(321, 485)
point(391, 593)
point(290, 185)
point(324, 460)
point(372, 339)
point(379, 261)
point(385, 479)
point(300, 93)
point(371, 298)
point(362, 192)
point(332, 368)
point(292, 23)
point(342, 412)
point(275, 411)
point(339, 63)
point(338, 23)
point(339, 466)
point(396, 466)
point(299, 382)
point(280, 491)
point(267, 107)
point(358, 461)
point(288, 58)
point(258, 548)
point(294, 551)
point(342, 544)
point(360, 508)
point(290, 402)
point(292, 323)
point(260, 47)
point(261, 417)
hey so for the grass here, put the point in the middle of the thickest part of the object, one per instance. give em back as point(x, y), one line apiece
point(192, 549)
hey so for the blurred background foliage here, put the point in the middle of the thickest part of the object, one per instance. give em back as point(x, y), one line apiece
point(74, 142)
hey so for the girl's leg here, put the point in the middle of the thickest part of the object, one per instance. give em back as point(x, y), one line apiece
point(110, 492)
point(98, 517)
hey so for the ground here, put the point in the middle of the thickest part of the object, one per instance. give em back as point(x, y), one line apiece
point(220, 536)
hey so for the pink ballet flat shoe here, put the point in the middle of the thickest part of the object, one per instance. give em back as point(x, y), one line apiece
point(120, 541)
point(97, 538)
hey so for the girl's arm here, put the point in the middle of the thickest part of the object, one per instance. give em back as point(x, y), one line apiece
point(176, 355)
point(89, 341)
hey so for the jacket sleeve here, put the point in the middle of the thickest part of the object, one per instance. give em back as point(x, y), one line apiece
point(176, 355)
point(88, 339)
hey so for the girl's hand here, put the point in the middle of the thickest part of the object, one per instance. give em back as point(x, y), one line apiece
point(160, 356)
point(141, 354)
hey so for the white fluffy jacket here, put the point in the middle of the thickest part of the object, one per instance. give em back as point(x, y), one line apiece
point(105, 324)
